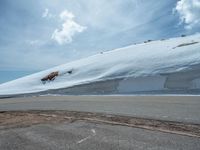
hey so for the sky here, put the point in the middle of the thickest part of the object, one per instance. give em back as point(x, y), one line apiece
point(40, 34)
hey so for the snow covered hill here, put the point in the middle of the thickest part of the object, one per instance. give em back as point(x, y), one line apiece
point(165, 66)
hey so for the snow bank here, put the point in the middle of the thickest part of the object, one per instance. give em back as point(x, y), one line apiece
point(167, 65)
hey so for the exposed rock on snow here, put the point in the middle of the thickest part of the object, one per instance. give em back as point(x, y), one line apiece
point(70, 71)
point(147, 41)
point(50, 77)
point(186, 44)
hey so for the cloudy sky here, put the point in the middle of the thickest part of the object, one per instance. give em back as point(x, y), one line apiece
point(39, 34)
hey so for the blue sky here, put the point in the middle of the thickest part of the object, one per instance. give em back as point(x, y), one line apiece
point(39, 34)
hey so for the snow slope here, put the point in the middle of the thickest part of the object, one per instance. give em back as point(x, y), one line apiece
point(157, 66)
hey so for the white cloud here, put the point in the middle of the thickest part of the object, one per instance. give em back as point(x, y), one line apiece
point(33, 42)
point(189, 12)
point(68, 30)
point(47, 14)
point(66, 15)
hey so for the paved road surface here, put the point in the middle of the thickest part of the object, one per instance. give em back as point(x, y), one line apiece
point(173, 108)
point(81, 135)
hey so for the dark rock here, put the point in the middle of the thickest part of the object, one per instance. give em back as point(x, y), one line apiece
point(50, 77)
point(70, 71)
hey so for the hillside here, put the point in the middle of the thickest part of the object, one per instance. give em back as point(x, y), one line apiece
point(164, 66)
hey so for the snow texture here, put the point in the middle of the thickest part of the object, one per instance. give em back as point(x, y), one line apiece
point(156, 66)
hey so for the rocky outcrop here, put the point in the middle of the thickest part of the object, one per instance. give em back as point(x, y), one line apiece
point(50, 77)
point(186, 44)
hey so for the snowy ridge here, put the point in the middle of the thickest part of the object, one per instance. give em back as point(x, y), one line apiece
point(165, 65)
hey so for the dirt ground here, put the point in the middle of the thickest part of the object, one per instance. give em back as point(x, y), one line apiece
point(19, 119)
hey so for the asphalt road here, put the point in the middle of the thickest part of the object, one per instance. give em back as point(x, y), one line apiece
point(82, 135)
point(172, 108)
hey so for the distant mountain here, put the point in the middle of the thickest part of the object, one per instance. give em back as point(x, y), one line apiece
point(153, 67)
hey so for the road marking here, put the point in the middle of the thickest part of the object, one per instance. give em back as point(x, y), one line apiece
point(88, 137)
